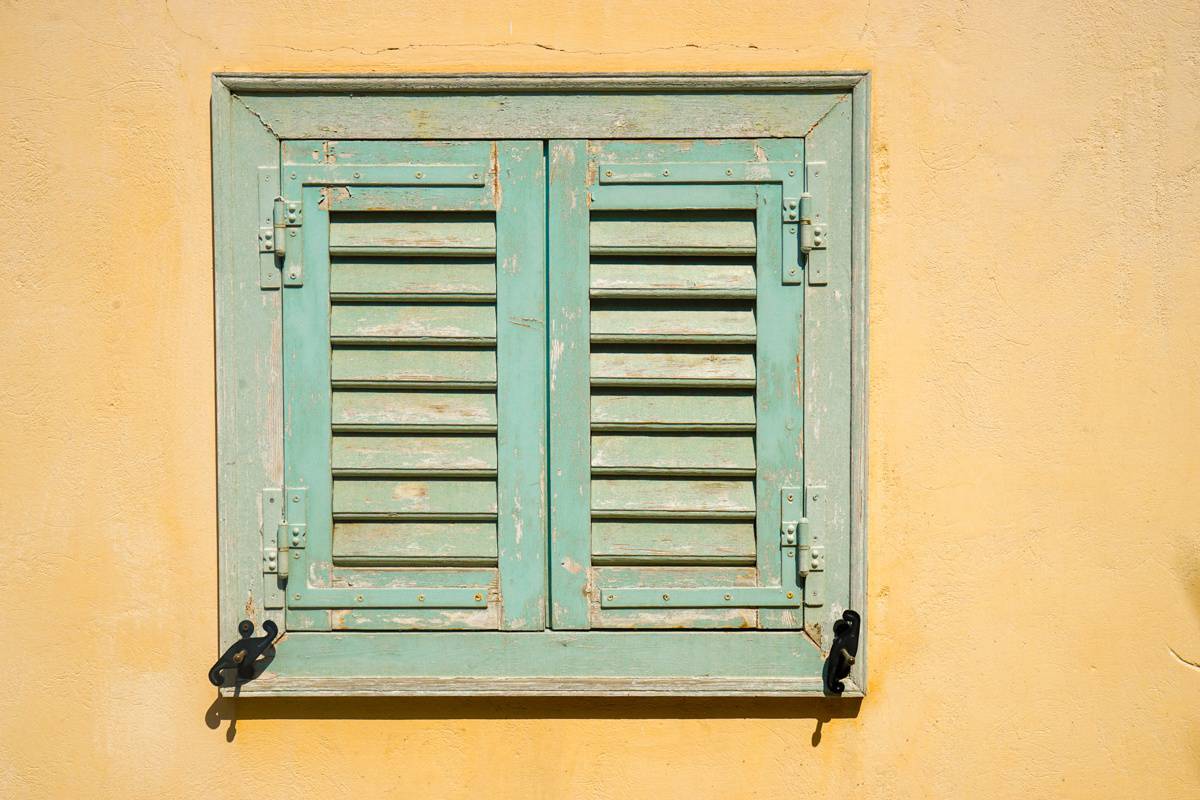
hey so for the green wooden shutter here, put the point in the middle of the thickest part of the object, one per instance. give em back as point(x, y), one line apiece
point(414, 383)
point(679, 496)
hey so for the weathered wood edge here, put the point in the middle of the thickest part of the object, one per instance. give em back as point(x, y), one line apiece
point(368, 686)
point(538, 82)
point(244, 464)
point(219, 113)
point(860, 207)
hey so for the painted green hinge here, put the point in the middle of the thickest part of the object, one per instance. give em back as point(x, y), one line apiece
point(803, 530)
point(287, 216)
point(805, 217)
point(285, 534)
point(814, 216)
point(283, 218)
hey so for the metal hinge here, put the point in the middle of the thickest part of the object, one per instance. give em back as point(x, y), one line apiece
point(803, 541)
point(286, 218)
point(812, 233)
point(285, 529)
point(285, 214)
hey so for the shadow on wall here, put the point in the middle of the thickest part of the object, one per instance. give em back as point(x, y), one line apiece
point(820, 710)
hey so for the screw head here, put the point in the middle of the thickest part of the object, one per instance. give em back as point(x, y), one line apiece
point(420, 175)
point(608, 173)
point(358, 599)
point(666, 172)
point(791, 173)
point(666, 597)
point(358, 175)
point(610, 597)
point(478, 597)
point(420, 598)
point(295, 597)
point(790, 595)
point(728, 597)
point(728, 172)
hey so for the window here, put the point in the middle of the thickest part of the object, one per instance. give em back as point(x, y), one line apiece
point(541, 385)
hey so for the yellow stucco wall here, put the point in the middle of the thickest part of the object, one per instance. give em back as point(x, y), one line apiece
point(1034, 445)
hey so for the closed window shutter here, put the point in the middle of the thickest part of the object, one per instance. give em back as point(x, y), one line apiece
point(676, 395)
point(414, 386)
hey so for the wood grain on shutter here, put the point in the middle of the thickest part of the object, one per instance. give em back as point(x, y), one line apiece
point(414, 375)
point(672, 370)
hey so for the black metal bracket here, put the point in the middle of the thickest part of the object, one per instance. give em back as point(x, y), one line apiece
point(843, 651)
point(243, 654)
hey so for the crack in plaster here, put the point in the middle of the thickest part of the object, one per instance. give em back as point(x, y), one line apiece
point(1193, 664)
point(540, 46)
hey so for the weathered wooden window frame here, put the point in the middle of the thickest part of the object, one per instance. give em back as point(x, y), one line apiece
point(253, 113)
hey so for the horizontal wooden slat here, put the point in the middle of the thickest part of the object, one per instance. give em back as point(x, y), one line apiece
point(450, 230)
point(382, 543)
point(426, 455)
point(413, 577)
point(672, 368)
point(401, 410)
point(692, 232)
point(672, 577)
point(685, 411)
point(461, 279)
point(654, 541)
point(415, 367)
point(408, 198)
point(696, 454)
point(465, 324)
point(676, 278)
point(449, 499)
point(643, 497)
point(425, 619)
point(409, 251)
point(679, 323)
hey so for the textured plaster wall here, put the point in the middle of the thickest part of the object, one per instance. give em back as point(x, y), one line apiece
point(1034, 444)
